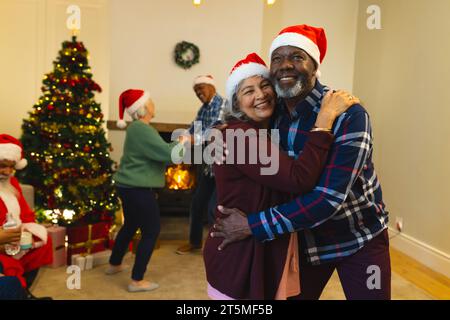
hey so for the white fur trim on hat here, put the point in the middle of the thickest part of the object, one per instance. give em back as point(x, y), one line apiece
point(12, 152)
point(296, 40)
point(243, 72)
point(203, 79)
point(138, 103)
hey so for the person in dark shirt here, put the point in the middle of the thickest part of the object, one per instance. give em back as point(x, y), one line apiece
point(250, 269)
point(342, 223)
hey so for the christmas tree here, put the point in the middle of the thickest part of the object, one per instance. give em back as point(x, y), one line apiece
point(64, 141)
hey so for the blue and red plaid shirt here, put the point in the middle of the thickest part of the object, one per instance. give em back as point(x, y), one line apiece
point(345, 210)
point(208, 114)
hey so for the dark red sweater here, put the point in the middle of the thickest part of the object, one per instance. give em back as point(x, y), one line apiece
point(249, 269)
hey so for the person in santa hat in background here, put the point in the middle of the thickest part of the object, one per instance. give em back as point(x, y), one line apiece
point(142, 168)
point(26, 263)
point(204, 198)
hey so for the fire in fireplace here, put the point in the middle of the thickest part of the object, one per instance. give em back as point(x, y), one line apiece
point(176, 196)
point(180, 177)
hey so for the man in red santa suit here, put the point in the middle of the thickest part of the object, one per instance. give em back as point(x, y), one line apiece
point(26, 263)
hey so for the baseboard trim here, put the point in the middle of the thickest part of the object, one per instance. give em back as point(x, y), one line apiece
point(427, 255)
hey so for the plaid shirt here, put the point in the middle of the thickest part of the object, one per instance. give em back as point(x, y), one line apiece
point(208, 115)
point(345, 210)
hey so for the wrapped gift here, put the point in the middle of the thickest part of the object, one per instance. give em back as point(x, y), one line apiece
point(89, 261)
point(101, 258)
point(84, 261)
point(58, 236)
point(87, 239)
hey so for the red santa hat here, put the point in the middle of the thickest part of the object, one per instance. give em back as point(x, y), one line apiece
point(310, 39)
point(11, 149)
point(251, 66)
point(130, 101)
point(208, 79)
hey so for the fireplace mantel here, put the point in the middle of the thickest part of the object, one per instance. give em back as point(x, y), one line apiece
point(160, 126)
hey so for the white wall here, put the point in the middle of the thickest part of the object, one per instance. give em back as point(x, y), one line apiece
point(31, 33)
point(144, 34)
point(402, 74)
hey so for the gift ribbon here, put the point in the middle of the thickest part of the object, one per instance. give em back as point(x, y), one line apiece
point(89, 244)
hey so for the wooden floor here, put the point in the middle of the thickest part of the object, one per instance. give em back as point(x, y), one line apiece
point(423, 277)
point(165, 268)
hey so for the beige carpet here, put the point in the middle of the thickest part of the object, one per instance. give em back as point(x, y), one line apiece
point(180, 278)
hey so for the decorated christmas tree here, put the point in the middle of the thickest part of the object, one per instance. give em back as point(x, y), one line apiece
point(64, 141)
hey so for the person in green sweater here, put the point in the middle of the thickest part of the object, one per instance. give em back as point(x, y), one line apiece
point(142, 167)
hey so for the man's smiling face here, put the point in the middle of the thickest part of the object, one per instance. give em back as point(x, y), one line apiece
point(292, 71)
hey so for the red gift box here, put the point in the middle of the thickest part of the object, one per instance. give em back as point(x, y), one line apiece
point(87, 239)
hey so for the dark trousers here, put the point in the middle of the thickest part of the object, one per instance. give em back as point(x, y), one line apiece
point(204, 199)
point(140, 211)
point(356, 273)
point(29, 276)
point(11, 289)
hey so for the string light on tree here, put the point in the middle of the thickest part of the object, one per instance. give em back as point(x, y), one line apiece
point(65, 143)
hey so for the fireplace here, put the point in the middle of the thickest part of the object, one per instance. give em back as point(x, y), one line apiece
point(176, 197)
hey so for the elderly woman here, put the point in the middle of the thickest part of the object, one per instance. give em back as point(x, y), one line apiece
point(142, 168)
point(249, 269)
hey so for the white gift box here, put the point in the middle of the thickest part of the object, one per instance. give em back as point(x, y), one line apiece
point(87, 262)
point(101, 258)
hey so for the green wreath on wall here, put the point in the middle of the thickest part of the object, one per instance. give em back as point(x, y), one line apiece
point(186, 54)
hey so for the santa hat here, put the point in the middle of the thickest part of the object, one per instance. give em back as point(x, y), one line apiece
point(251, 66)
point(11, 149)
point(130, 101)
point(310, 39)
point(208, 79)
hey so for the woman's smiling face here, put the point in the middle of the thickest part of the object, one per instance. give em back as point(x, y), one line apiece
point(256, 98)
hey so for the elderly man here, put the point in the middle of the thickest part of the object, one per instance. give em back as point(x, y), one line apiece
point(204, 197)
point(25, 264)
point(342, 223)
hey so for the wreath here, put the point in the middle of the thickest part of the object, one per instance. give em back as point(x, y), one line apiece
point(186, 54)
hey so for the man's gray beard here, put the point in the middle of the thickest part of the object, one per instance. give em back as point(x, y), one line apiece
point(291, 92)
point(7, 187)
